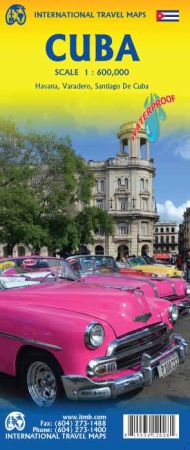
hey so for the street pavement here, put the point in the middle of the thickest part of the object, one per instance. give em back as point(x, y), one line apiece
point(174, 389)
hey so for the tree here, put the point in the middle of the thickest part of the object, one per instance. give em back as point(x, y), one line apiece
point(19, 207)
point(90, 220)
point(42, 181)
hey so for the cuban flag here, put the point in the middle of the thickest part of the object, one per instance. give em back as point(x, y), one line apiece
point(167, 15)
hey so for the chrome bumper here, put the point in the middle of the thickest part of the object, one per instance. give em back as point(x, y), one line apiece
point(184, 306)
point(83, 388)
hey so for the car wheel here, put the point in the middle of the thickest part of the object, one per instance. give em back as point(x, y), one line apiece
point(40, 378)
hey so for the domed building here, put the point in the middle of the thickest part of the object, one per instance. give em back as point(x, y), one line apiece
point(124, 188)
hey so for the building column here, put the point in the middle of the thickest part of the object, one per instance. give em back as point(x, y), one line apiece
point(44, 251)
point(121, 146)
point(134, 243)
point(15, 251)
point(107, 245)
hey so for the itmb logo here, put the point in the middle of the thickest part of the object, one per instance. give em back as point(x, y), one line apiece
point(15, 420)
point(16, 14)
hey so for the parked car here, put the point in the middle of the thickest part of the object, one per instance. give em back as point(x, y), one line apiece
point(100, 270)
point(18, 265)
point(92, 342)
point(141, 263)
point(7, 263)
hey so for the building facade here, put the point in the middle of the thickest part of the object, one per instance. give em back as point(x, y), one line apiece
point(182, 243)
point(184, 234)
point(21, 250)
point(166, 238)
point(124, 188)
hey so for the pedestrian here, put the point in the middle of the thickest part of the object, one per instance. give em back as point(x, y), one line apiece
point(173, 260)
point(179, 262)
point(187, 267)
point(125, 257)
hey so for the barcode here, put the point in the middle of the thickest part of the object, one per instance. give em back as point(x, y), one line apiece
point(151, 426)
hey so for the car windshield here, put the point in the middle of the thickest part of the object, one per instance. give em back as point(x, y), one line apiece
point(125, 264)
point(23, 271)
point(137, 261)
point(93, 264)
point(149, 260)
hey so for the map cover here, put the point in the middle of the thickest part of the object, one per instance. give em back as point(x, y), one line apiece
point(107, 84)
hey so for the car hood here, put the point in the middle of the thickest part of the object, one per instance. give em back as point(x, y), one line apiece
point(124, 311)
point(158, 287)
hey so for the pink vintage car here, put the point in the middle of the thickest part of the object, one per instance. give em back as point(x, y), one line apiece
point(100, 270)
point(91, 342)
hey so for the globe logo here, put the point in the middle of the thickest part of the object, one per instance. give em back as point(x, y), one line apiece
point(16, 14)
point(15, 420)
point(152, 124)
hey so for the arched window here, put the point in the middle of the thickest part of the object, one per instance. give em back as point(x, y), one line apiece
point(36, 251)
point(5, 251)
point(83, 250)
point(156, 230)
point(144, 228)
point(123, 250)
point(167, 240)
point(102, 185)
point(99, 250)
point(98, 231)
point(126, 183)
point(96, 185)
point(99, 203)
point(119, 182)
point(123, 204)
point(145, 250)
point(142, 185)
point(143, 148)
point(21, 251)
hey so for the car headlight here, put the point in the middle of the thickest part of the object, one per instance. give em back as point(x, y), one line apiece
point(188, 289)
point(173, 313)
point(94, 335)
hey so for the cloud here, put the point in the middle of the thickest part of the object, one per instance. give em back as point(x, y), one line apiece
point(183, 148)
point(170, 213)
